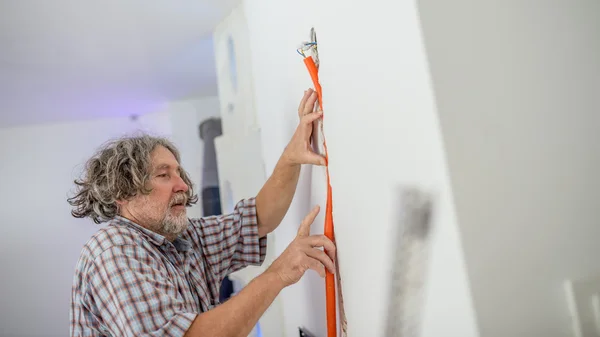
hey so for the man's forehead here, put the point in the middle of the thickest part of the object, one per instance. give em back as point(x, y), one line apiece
point(161, 166)
point(162, 158)
point(165, 166)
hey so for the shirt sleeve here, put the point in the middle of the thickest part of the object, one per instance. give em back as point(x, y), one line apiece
point(231, 242)
point(133, 298)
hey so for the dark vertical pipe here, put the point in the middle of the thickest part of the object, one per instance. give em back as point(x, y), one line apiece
point(211, 200)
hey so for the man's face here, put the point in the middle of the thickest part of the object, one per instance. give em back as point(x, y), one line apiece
point(163, 210)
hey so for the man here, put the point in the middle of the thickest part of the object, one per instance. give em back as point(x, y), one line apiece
point(152, 271)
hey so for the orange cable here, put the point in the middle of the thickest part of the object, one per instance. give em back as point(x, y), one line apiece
point(328, 228)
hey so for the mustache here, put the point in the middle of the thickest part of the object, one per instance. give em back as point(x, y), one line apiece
point(179, 199)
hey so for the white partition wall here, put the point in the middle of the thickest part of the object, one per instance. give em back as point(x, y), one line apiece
point(234, 75)
point(239, 150)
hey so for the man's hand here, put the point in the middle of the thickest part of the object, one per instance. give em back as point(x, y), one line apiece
point(274, 199)
point(239, 314)
point(303, 254)
point(299, 149)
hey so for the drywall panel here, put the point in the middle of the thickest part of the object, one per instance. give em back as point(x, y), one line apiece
point(239, 150)
point(382, 129)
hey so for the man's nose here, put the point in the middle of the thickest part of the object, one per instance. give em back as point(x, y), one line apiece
point(181, 186)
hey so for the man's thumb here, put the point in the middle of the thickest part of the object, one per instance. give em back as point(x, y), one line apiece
point(315, 159)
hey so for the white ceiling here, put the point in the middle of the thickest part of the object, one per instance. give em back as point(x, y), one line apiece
point(63, 60)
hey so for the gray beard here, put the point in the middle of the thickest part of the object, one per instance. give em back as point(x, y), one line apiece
point(174, 225)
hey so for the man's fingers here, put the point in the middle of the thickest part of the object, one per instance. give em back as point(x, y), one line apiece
point(309, 105)
point(316, 266)
point(322, 241)
point(311, 117)
point(323, 258)
point(304, 229)
point(303, 101)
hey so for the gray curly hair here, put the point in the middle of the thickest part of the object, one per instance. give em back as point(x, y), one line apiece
point(119, 171)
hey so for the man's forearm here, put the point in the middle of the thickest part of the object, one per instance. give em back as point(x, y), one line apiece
point(237, 316)
point(274, 199)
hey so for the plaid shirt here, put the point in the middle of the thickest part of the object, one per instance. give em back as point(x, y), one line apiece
point(130, 281)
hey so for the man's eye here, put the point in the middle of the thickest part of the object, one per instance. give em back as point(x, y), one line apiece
point(162, 175)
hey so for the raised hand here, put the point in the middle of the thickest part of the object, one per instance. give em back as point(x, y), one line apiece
point(299, 150)
point(303, 253)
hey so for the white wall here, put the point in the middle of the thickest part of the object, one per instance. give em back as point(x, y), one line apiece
point(40, 241)
point(518, 88)
point(382, 130)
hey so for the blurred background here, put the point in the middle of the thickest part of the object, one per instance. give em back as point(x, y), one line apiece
point(492, 107)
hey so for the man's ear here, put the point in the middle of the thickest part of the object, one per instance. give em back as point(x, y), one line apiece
point(121, 204)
